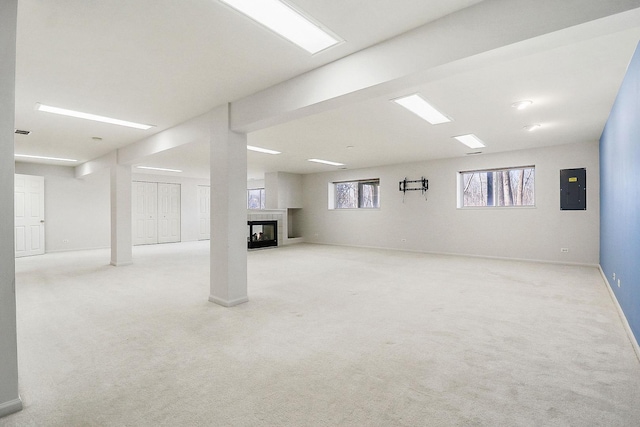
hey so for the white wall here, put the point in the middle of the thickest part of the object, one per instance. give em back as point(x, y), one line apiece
point(437, 225)
point(289, 190)
point(189, 215)
point(283, 190)
point(77, 210)
point(255, 183)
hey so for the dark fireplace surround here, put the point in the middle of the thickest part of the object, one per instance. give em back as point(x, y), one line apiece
point(262, 234)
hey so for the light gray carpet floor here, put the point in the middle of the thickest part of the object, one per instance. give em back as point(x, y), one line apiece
point(331, 336)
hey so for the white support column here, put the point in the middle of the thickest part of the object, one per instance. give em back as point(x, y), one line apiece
point(228, 212)
point(121, 239)
point(9, 398)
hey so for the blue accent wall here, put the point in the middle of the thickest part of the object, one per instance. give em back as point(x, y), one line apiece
point(620, 196)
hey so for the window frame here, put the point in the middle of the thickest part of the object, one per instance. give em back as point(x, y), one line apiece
point(461, 188)
point(332, 195)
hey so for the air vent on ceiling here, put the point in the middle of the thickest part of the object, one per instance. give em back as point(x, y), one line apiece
point(22, 132)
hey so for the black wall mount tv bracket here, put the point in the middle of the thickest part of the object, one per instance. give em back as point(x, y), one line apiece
point(422, 186)
point(404, 185)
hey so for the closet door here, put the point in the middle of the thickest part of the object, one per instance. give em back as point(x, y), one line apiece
point(204, 216)
point(145, 213)
point(168, 213)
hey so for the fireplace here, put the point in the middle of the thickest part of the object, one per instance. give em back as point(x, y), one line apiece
point(262, 234)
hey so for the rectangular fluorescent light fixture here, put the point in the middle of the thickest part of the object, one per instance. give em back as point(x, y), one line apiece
point(326, 162)
point(87, 116)
point(158, 169)
point(420, 107)
point(470, 140)
point(58, 159)
point(282, 19)
point(262, 150)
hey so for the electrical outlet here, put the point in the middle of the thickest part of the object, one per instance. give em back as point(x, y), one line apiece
point(564, 249)
point(65, 240)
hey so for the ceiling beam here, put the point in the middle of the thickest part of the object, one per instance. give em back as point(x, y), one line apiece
point(197, 129)
point(432, 50)
point(103, 162)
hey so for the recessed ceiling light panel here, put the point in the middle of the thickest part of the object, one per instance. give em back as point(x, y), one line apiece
point(326, 162)
point(262, 150)
point(521, 105)
point(158, 169)
point(87, 116)
point(470, 140)
point(282, 19)
point(420, 107)
point(58, 159)
point(533, 127)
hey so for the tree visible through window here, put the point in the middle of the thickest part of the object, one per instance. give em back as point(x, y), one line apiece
point(499, 187)
point(357, 194)
point(255, 198)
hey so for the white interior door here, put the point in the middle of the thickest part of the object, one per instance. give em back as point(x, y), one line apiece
point(204, 216)
point(145, 213)
point(168, 213)
point(29, 215)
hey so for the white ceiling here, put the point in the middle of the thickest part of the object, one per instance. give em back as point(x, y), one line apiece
point(163, 62)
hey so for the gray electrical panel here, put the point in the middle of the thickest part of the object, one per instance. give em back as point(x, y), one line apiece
point(573, 189)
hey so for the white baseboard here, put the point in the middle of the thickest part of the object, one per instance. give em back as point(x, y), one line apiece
point(293, 240)
point(10, 407)
point(226, 303)
point(92, 248)
point(623, 318)
point(121, 264)
point(456, 254)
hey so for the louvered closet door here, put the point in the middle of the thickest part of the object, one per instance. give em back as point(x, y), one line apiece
point(145, 213)
point(168, 213)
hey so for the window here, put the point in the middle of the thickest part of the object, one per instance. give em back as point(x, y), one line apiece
point(498, 187)
point(255, 198)
point(355, 194)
